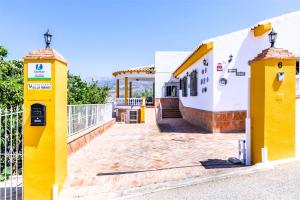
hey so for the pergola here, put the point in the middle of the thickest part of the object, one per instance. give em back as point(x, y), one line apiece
point(146, 73)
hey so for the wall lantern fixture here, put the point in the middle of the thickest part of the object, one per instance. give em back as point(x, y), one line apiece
point(48, 38)
point(205, 63)
point(223, 81)
point(272, 38)
point(230, 58)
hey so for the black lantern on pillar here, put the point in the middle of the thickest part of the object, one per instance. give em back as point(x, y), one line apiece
point(48, 38)
point(272, 38)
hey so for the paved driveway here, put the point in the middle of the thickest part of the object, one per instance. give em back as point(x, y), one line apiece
point(133, 155)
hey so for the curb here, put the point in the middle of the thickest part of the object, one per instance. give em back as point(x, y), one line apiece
point(153, 188)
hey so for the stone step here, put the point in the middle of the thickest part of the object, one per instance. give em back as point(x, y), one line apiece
point(171, 113)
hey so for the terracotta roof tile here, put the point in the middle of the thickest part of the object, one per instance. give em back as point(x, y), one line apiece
point(274, 53)
point(44, 54)
point(146, 69)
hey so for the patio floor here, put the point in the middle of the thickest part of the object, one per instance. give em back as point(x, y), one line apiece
point(133, 155)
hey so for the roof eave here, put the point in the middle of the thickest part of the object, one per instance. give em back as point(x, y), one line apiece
point(201, 51)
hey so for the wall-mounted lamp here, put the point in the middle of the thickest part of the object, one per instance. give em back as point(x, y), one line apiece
point(272, 38)
point(205, 63)
point(230, 58)
point(187, 74)
point(223, 81)
point(280, 76)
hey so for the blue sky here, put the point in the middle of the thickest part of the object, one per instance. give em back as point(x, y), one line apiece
point(99, 37)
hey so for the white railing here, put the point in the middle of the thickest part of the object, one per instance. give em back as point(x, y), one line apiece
point(82, 117)
point(297, 84)
point(11, 154)
point(131, 101)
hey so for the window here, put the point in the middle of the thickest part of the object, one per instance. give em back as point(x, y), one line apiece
point(171, 91)
point(193, 83)
point(184, 86)
point(180, 84)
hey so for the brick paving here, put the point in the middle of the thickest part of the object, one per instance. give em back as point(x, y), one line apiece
point(133, 155)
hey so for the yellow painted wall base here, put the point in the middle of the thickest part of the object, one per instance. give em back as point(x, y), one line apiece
point(45, 147)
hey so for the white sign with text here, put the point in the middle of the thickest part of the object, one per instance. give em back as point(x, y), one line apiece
point(39, 86)
point(39, 71)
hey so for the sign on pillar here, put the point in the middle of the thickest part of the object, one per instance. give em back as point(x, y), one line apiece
point(272, 105)
point(45, 128)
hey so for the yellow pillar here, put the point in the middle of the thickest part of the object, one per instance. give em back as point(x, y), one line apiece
point(130, 89)
point(143, 109)
point(117, 88)
point(272, 105)
point(126, 90)
point(45, 144)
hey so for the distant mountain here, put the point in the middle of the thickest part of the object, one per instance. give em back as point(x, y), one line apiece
point(102, 81)
point(111, 82)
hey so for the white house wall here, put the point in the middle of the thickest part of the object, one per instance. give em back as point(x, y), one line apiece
point(203, 100)
point(243, 46)
point(165, 63)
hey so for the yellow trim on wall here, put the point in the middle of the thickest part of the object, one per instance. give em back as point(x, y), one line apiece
point(201, 51)
point(261, 29)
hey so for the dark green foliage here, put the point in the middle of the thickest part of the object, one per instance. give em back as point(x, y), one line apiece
point(11, 81)
point(147, 92)
point(81, 92)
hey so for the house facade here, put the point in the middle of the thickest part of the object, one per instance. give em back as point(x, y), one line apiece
point(210, 85)
point(214, 78)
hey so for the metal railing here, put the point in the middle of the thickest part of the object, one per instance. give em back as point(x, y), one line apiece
point(82, 117)
point(131, 101)
point(11, 154)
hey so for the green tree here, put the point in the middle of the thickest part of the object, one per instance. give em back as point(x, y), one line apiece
point(81, 92)
point(11, 93)
point(11, 81)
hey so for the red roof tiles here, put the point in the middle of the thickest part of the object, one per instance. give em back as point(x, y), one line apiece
point(45, 54)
